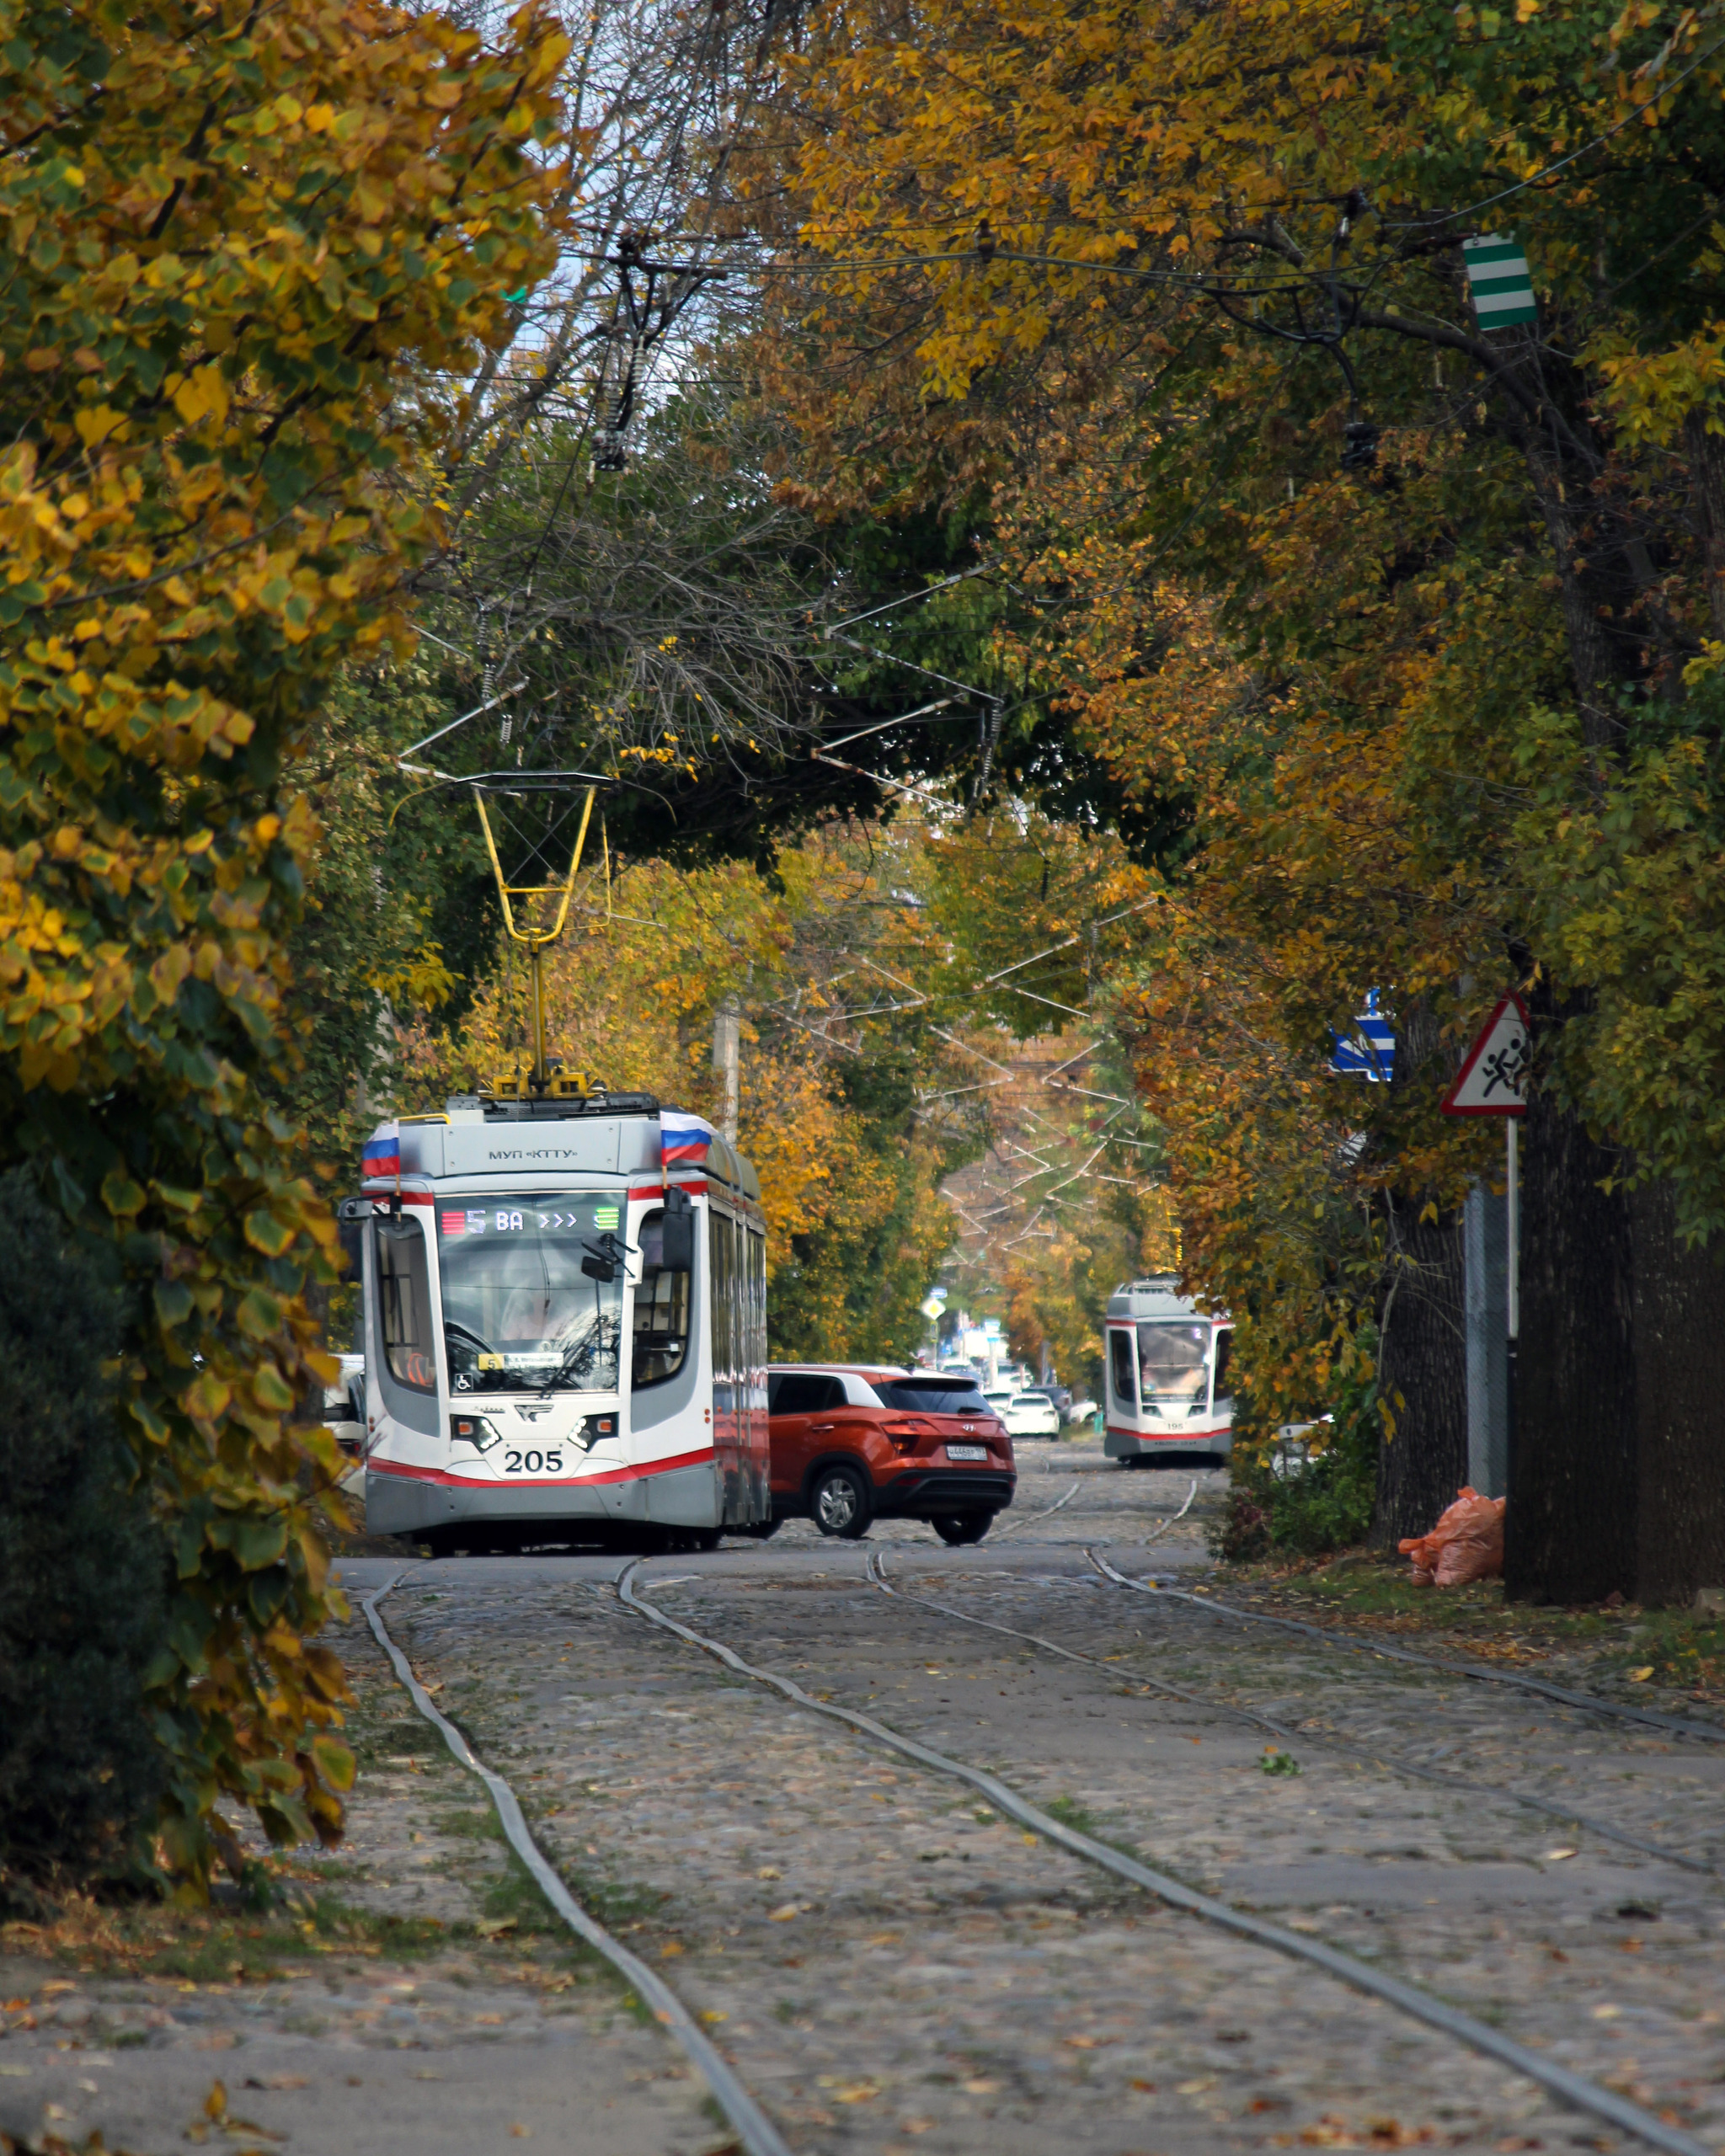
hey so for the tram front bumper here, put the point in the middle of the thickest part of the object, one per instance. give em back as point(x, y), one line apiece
point(399, 1503)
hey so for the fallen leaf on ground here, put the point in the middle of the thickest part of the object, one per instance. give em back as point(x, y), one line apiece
point(783, 1913)
point(1641, 1676)
point(1558, 1856)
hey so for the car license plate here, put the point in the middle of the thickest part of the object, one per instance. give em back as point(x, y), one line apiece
point(967, 1452)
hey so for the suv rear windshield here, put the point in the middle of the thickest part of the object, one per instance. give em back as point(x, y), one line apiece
point(932, 1395)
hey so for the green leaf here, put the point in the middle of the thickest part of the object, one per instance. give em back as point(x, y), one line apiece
point(266, 1233)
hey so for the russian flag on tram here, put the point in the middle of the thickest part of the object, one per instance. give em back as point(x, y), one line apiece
point(683, 1138)
point(383, 1153)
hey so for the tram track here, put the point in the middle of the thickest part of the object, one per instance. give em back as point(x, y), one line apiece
point(1461, 1785)
point(1589, 1702)
point(633, 1593)
point(1575, 2090)
point(756, 2133)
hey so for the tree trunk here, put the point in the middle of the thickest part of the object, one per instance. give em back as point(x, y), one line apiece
point(1569, 1528)
point(1422, 1375)
point(1707, 470)
point(1617, 1456)
point(1679, 1323)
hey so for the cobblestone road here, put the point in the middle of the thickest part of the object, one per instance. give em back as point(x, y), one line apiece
point(890, 1966)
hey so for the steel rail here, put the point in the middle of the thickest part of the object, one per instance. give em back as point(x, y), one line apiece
point(1711, 1732)
point(1026, 1519)
point(754, 2132)
point(1572, 2089)
point(1177, 1516)
point(1389, 1762)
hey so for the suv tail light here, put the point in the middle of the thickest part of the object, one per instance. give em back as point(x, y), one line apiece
point(905, 1433)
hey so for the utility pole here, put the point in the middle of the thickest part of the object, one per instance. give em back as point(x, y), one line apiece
point(727, 1044)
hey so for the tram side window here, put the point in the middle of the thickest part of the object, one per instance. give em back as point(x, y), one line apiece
point(1223, 1386)
point(724, 1293)
point(757, 1318)
point(661, 1340)
point(1120, 1362)
point(739, 1313)
point(404, 1306)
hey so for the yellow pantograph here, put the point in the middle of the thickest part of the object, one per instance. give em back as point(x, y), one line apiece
point(536, 934)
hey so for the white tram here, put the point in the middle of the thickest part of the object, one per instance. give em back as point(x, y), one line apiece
point(1167, 1374)
point(565, 1326)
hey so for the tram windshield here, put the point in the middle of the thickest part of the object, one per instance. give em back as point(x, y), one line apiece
point(1173, 1361)
point(519, 1314)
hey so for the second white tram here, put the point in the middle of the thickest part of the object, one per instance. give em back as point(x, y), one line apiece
point(1165, 1374)
point(565, 1337)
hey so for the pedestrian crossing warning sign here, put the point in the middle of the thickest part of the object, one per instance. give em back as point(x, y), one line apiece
point(1493, 1079)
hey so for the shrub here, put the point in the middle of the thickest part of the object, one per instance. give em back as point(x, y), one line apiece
point(82, 1565)
point(1312, 1509)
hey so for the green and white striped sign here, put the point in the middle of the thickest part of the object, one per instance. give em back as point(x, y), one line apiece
point(1498, 282)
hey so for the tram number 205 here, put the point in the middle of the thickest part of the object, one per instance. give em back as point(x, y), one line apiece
point(533, 1463)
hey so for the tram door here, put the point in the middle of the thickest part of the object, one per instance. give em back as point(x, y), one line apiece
point(729, 1381)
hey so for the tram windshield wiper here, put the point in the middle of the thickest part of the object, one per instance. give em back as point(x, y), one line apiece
point(592, 1343)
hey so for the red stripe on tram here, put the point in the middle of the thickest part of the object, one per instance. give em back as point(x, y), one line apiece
point(443, 1477)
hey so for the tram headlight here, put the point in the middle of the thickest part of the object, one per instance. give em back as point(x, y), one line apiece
point(475, 1430)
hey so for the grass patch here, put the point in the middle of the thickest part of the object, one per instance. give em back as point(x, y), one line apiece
point(215, 1946)
point(470, 1825)
point(376, 1743)
point(514, 1898)
point(1070, 1813)
point(1626, 1649)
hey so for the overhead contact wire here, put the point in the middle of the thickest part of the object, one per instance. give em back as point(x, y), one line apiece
point(1572, 2089)
point(756, 2133)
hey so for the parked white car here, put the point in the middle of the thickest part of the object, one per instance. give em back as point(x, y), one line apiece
point(345, 1413)
point(1026, 1414)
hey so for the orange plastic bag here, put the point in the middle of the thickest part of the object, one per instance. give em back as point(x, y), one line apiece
point(1467, 1543)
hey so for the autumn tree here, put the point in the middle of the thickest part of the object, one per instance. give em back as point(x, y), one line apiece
point(1417, 612)
point(246, 251)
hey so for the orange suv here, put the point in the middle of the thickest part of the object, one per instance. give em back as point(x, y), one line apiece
point(856, 1442)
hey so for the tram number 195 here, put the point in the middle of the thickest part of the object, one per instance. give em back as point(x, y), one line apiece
point(533, 1463)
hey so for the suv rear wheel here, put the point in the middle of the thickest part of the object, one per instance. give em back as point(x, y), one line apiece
point(957, 1529)
point(838, 1502)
